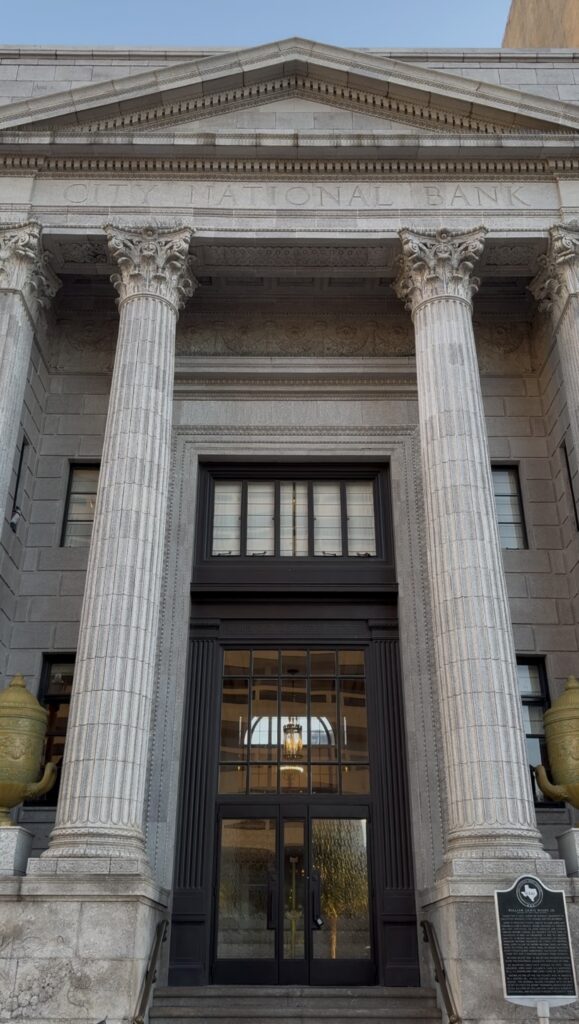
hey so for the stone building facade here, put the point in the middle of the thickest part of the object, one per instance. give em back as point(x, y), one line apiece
point(289, 430)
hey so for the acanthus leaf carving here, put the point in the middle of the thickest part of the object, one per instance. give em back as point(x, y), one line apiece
point(558, 276)
point(438, 264)
point(24, 267)
point(152, 261)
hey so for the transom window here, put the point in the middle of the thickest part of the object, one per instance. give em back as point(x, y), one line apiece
point(294, 721)
point(294, 518)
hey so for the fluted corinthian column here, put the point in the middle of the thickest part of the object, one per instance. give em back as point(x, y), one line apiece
point(27, 284)
point(100, 809)
point(490, 806)
point(556, 287)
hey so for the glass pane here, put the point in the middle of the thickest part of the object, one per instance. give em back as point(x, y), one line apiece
point(265, 663)
point(84, 480)
point(529, 678)
point(263, 778)
point(294, 890)
point(226, 518)
point(294, 722)
point(360, 511)
point(232, 779)
point(355, 780)
point(293, 778)
point(351, 663)
point(234, 719)
point(264, 735)
point(323, 663)
point(293, 519)
point(293, 663)
point(505, 480)
point(323, 720)
point(353, 719)
point(260, 519)
point(533, 719)
point(236, 663)
point(339, 852)
point(508, 508)
point(324, 778)
point(60, 679)
point(327, 519)
point(77, 535)
point(534, 751)
point(512, 536)
point(81, 507)
point(247, 873)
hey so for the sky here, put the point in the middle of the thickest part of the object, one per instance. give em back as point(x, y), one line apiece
point(219, 23)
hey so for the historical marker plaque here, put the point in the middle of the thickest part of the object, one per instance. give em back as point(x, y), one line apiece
point(535, 944)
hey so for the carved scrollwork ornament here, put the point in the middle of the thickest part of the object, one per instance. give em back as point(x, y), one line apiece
point(25, 268)
point(438, 264)
point(152, 261)
point(558, 277)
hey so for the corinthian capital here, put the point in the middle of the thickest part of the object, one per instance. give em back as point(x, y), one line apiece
point(25, 268)
point(438, 264)
point(559, 274)
point(152, 261)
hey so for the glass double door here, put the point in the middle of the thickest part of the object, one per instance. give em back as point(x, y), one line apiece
point(292, 896)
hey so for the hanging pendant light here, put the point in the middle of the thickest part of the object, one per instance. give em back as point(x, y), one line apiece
point(293, 743)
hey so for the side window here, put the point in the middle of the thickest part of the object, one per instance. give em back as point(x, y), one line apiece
point(509, 506)
point(80, 506)
point(535, 699)
point(54, 695)
point(569, 477)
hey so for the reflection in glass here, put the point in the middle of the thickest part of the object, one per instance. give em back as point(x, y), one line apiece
point(232, 779)
point(327, 519)
point(81, 506)
point(323, 720)
point(360, 512)
point(234, 717)
point(294, 778)
point(263, 735)
point(265, 663)
point(351, 663)
point(246, 870)
point(355, 780)
point(529, 679)
point(260, 519)
point(354, 720)
point(339, 855)
point(294, 890)
point(323, 663)
point(263, 778)
point(236, 663)
point(324, 778)
point(293, 663)
point(226, 518)
point(293, 519)
point(293, 711)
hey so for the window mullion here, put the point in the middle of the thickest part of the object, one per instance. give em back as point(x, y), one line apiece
point(310, 518)
point(344, 518)
point(243, 524)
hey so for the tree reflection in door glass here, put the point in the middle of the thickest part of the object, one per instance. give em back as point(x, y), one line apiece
point(339, 854)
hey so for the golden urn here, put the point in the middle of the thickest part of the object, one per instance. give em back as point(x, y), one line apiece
point(22, 732)
point(562, 735)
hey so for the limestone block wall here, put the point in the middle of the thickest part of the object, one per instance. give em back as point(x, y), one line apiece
point(13, 545)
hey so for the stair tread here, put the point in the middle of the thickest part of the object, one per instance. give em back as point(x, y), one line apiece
point(299, 991)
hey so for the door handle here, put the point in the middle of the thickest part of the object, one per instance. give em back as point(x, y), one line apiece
point(316, 890)
point(271, 902)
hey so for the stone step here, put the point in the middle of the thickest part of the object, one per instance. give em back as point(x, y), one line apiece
point(273, 1005)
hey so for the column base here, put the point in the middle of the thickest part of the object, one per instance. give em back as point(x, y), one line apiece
point(462, 910)
point(15, 845)
point(95, 851)
point(77, 947)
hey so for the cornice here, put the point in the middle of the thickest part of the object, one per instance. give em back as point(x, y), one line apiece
point(229, 167)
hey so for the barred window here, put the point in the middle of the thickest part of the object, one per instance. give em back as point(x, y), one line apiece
point(509, 506)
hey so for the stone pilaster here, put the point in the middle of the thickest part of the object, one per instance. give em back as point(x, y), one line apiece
point(27, 284)
point(490, 806)
point(100, 810)
point(556, 287)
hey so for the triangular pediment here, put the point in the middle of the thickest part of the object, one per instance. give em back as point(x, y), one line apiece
point(334, 88)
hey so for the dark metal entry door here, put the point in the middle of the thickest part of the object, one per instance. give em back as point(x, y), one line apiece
point(292, 896)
